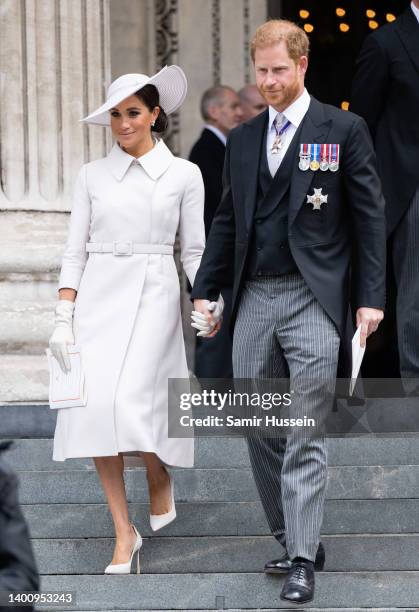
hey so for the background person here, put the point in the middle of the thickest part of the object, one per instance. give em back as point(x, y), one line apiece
point(127, 209)
point(221, 111)
point(251, 101)
point(385, 91)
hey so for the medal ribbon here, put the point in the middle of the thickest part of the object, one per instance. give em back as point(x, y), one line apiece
point(334, 153)
point(316, 152)
point(280, 131)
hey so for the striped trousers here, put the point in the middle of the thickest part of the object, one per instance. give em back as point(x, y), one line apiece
point(406, 271)
point(281, 330)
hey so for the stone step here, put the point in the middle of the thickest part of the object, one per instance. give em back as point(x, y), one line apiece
point(232, 484)
point(221, 518)
point(384, 416)
point(36, 454)
point(166, 555)
point(24, 378)
point(242, 591)
point(275, 610)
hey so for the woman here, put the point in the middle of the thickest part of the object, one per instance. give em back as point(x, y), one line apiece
point(120, 281)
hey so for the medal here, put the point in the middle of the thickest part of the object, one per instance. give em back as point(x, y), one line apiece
point(304, 163)
point(334, 158)
point(314, 164)
point(324, 156)
point(277, 143)
point(317, 199)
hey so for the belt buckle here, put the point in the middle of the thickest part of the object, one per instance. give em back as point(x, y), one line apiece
point(122, 248)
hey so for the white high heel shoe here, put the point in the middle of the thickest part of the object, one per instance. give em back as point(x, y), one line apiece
point(125, 568)
point(157, 521)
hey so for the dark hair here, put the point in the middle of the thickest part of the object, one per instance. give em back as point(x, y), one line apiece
point(149, 95)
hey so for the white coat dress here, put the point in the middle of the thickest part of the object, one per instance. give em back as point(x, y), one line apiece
point(127, 316)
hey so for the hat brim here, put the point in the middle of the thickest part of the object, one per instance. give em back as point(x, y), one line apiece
point(170, 82)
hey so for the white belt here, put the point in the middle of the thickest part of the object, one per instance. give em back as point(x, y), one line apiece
point(120, 248)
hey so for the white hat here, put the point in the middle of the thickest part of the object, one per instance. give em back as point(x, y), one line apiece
point(170, 82)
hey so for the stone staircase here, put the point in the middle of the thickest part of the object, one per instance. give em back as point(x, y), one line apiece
point(212, 556)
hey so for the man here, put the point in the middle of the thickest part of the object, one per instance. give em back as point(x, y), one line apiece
point(385, 91)
point(221, 111)
point(251, 101)
point(296, 235)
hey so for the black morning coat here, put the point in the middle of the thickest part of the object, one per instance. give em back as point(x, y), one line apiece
point(347, 236)
point(385, 92)
point(208, 153)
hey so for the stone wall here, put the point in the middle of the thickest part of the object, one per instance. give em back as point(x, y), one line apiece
point(54, 66)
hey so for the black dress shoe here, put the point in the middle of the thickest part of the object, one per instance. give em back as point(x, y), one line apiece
point(299, 584)
point(284, 563)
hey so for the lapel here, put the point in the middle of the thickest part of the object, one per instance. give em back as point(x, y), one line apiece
point(252, 140)
point(314, 129)
point(281, 179)
point(407, 28)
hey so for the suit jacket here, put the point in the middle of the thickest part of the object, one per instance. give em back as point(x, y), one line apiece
point(385, 91)
point(346, 237)
point(208, 153)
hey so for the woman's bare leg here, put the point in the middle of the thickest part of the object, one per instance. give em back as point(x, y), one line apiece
point(111, 474)
point(158, 484)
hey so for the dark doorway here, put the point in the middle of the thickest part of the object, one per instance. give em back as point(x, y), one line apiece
point(336, 29)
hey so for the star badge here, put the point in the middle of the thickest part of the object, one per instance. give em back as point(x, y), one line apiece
point(317, 199)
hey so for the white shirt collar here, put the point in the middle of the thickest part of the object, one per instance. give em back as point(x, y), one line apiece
point(415, 10)
point(217, 132)
point(155, 162)
point(295, 111)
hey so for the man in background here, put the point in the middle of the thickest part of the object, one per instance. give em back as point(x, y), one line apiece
point(221, 112)
point(385, 92)
point(251, 102)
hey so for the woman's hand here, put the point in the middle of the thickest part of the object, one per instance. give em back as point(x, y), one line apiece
point(62, 334)
point(207, 316)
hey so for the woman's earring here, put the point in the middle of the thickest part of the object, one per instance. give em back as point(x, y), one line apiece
point(153, 124)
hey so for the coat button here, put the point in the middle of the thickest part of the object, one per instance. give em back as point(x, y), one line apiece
point(258, 220)
point(259, 273)
point(259, 248)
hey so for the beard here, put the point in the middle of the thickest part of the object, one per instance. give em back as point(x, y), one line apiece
point(283, 97)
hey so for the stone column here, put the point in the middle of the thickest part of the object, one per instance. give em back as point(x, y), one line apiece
point(54, 68)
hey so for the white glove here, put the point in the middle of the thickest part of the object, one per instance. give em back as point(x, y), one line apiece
point(200, 321)
point(62, 334)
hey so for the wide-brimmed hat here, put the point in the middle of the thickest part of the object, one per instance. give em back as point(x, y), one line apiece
point(170, 82)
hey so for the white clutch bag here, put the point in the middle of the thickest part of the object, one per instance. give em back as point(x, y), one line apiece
point(67, 390)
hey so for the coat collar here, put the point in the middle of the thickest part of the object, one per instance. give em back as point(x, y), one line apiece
point(155, 162)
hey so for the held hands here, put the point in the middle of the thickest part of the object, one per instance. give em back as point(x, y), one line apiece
point(207, 316)
point(369, 319)
point(62, 334)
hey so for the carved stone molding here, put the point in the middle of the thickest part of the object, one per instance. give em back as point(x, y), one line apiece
point(54, 65)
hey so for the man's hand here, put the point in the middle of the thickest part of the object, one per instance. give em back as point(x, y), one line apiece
point(207, 317)
point(369, 319)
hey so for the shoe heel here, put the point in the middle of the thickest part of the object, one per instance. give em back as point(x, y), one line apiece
point(138, 562)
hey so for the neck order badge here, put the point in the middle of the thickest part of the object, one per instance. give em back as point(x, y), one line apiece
point(278, 144)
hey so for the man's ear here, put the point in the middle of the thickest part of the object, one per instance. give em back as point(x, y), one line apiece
point(303, 64)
